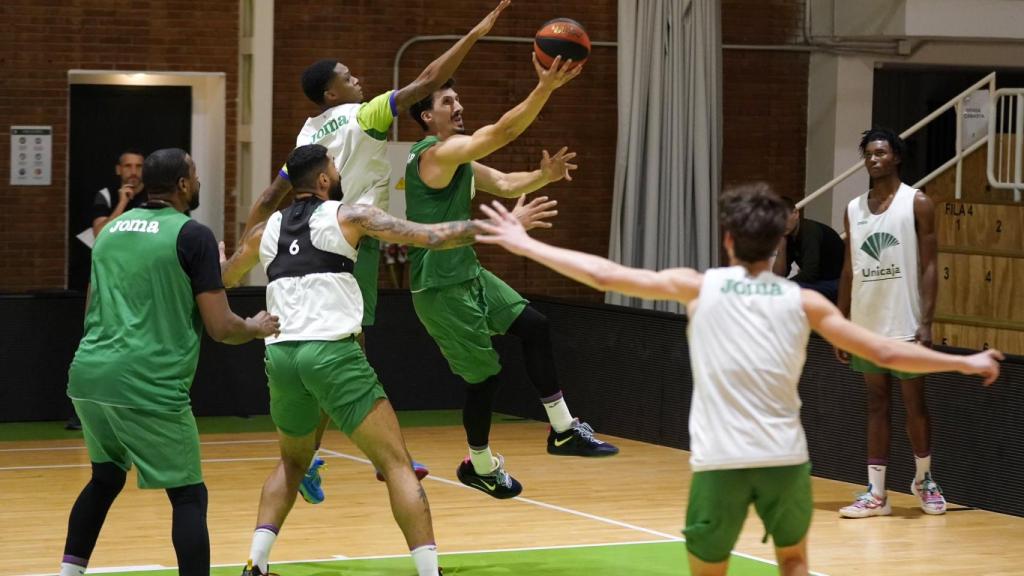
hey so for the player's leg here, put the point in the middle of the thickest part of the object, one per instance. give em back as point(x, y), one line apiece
point(874, 502)
point(348, 389)
point(919, 432)
point(164, 446)
point(456, 318)
point(715, 514)
point(783, 500)
point(510, 313)
point(110, 463)
point(296, 413)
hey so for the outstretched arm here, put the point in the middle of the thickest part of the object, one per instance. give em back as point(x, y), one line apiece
point(515, 184)
point(828, 321)
point(439, 71)
point(358, 220)
point(267, 203)
point(438, 164)
point(680, 284)
point(245, 258)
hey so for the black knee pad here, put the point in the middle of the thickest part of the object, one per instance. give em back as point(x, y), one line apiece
point(106, 476)
point(191, 494)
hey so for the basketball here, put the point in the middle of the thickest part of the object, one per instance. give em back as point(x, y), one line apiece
point(561, 37)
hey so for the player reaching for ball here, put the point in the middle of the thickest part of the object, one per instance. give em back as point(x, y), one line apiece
point(462, 305)
point(355, 134)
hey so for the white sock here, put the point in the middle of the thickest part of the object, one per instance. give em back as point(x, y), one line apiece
point(558, 414)
point(483, 461)
point(924, 465)
point(425, 558)
point(876, 479)
point(68, 569)
point(262, 540)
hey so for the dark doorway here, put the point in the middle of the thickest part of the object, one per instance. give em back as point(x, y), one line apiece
point(105, 120)
point(904, 95)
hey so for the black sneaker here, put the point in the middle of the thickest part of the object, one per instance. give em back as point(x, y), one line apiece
point(253, 570)
point(578, 441)
point(498, 484)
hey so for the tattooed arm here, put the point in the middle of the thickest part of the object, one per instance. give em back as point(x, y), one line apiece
point(360, 220)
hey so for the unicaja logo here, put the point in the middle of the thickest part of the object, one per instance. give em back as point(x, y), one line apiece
point(876, 243)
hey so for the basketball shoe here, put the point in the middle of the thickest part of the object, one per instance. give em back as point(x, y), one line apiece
point(578, 440)
point(497, 483)
point(254, 570)
point(866, 504)
point(310, 485)
point(930, 495)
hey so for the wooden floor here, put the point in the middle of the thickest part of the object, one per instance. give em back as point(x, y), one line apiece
point(636, 496)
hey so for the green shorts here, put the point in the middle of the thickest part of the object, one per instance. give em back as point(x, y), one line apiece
point(305, 377)
point(463, 317)
point(366, 270)
point(858, 364)
point(719, 500)
point(164, 446)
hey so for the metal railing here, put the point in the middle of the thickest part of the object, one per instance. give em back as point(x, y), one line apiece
point(1006, 118)
point(957, 103)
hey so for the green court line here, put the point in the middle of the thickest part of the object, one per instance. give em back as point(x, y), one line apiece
point(644, 559)
point(23, 431)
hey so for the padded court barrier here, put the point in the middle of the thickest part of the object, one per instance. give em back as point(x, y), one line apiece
point(625, 371)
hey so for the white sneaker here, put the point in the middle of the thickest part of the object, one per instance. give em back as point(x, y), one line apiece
point(928, 491)
point(866, 504)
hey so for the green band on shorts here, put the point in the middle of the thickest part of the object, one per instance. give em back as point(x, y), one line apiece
point(858, 364)
point(462, 318)
point(163, 446)
point(305, 377)
point(719, 500)
point(366, 271)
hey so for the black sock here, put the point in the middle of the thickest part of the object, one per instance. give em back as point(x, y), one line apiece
point(476, 412)
point(188, 529)
point(534, 330)
point(90, 510)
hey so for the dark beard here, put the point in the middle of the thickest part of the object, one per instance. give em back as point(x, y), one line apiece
point(335, 193)
point(194, 202)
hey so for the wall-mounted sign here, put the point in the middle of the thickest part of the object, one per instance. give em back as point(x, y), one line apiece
point(31, 155)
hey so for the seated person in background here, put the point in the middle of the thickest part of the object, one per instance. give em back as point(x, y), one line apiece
point(816, 249)
point(108, 205)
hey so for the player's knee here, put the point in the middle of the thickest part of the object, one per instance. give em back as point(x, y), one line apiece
point(107, 477)
point(531, 325)
point(191, 495)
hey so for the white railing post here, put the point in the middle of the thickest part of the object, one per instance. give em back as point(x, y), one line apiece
point(959, 148)
point(1018, 156)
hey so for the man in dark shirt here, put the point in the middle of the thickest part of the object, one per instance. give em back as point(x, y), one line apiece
point(816, 249)
point(107, 204)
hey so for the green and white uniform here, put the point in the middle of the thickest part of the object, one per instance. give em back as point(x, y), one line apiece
point(461, 304)
point(356, 137)
point(131, 375)
point(748, 341)
point(315, 361)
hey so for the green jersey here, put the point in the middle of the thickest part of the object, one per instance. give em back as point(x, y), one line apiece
point(142, 329)
point(436, 268)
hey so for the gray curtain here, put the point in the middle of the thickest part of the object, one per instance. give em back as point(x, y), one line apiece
point(668, 156)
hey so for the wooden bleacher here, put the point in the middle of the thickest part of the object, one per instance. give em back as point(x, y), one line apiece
point(981, 261)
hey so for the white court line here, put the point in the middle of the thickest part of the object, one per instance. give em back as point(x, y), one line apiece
point(82, 446)
point(668, 537)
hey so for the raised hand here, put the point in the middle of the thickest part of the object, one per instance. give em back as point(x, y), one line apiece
point(985, 364)
point(485, 25)
point(223, 253)
point(534, 214)
point(264, 324)
point(557, 167)
point(558, 75)
point(501, 228)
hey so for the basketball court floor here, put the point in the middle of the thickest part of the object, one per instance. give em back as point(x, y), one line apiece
point(610, 517)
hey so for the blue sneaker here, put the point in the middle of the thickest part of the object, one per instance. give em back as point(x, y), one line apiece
point(310, 485)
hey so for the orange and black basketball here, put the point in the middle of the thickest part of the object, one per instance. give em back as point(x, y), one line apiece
point(561, 37)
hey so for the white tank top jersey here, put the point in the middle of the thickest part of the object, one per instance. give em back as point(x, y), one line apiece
point(318, 305)
point(355, 135)
point(884, 262)
point(748, 342)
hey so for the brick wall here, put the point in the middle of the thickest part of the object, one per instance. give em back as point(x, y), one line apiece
point(764, 107)
point(493, 78)
point(41, 41)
